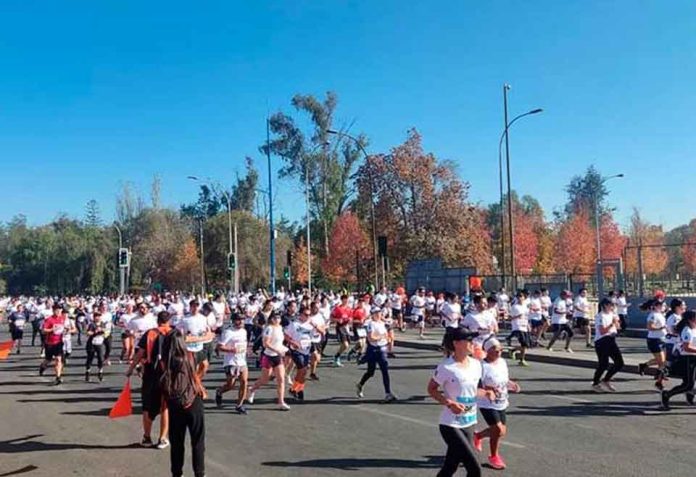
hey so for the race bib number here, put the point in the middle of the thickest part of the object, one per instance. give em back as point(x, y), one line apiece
point(468, 416)
point(240, 348)
point(305, 343)
point(98, 340)
point(58, 329)
point(362, 332)
point(19, 323)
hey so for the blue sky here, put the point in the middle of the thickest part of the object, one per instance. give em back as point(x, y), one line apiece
point(93, 94)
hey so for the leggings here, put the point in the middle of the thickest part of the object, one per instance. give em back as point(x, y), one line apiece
point(558, 329)
point(107, 347)
point(377, 356)
point(36, 330)
point(92, 351)
point(460, 450)
point(191, 418)
point(607, 348)
point(687, 385)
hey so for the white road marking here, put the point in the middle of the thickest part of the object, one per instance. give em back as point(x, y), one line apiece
point(571, 399)
point(418, 421)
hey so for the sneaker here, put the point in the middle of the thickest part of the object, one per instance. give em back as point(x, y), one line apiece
point(59, 380)
point(608, 386)
point(163, 443)
point(337, 363)
point(524, 363)
point(549, 349)
point(86, 376)
point(146, 442)
point(300, 395)
point(359, 390)
point(313, 377)
point(690, 399)
point(100, 376)
point(390, 398)
point(250, 399)
point(513, 354)
point(218, 399)
point(568, 350)
point(241, 410)
point(641, 369)
point(598, 388)
point(659, 385)
point(42, 370)
point(293, 393)
point(19, 351)
point(664, 400)
point(478, 442)
point(496, 462)
point(107, 362)
point(283, 407)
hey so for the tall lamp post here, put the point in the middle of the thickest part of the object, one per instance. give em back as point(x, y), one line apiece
point(500, 182)
point(599, 271)
point(506, 88)
point(271, 230)
point(232, 252)
point(309, 219)
point(372, 198)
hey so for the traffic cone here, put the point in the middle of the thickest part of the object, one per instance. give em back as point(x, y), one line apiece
point(6, 345)
point(123, 406)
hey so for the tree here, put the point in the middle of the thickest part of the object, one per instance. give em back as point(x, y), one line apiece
point(329, 169)
point(348, 245)
point(586, 190)
point(185, 272)
point(299, 262)
point(688, 250)
point(575, 250)
point(243, 193)
point(654, 259)
point(92, 214)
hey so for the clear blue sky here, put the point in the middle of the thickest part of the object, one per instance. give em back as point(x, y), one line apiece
point(96, 93)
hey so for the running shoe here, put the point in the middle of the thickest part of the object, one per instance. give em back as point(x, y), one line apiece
point(568, 350)
point(513, 354)
point(42, 370)
point(107, 362)
point(146, 442)
point(283, 407)
point(251, 397)
point(300, 395)
point(241, 410)
point(641, 369)
point(664, 400)
point(391, 356)
point(86, 376)
point(496, 462)
point(524, 363)
point(478, 442)
point(337, 363)
point(549, 349)
point(100, 376)
point(608, 386)
point(59, 380)
point(390, 398)
point(293, 393)
point(163, 443)
point(218, 398)
point(589, 345)
point(19, 351)
point(690, 399)
point(359, 390)
point(659, 385)
point(313, 377)
point(598, 388)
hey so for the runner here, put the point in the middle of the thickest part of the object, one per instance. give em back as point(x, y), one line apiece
point(272, 361)
point(686, 329)
point(299, 337)
point(53, 328)
point(233, 343)
point(126, 338)
point(396, 301)
point(677, 307)
point(418, 304)
point(481, 322)
point(607, 325)
point(17, 319)
point(318, 334)
point(360, 315)
point(96, 332)
point(455, 385)
point(194, 326)
point(535, 317)
point(622, 308)
point(546, 307)
point(657, 332)
point(581, 316)
point(520, 329)
point(70, 329)
point(559, 321)
point(376, 355)
point(495, 377)
point(341, 317)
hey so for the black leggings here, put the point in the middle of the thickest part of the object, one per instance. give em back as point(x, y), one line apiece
point(687, 385)
point(558, 329)
point(107, 347)
point(607, 348)
point(191, 418)
point(377, 356)
point(92, 351)
point(460, 450)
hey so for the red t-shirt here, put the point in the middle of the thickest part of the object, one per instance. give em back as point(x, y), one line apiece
point(342, 314)
point(359, 315)
point(58, 324)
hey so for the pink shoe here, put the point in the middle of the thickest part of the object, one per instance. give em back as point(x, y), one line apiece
point(496, 462)
point(478, 442)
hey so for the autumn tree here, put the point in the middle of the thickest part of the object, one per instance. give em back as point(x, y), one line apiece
point(654, 259)
point(349, 245)
point(688, 250)
point(575, 250)
point(185, 272)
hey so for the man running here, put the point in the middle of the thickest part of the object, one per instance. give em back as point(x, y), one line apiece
point(53, 328)
point(233, 343)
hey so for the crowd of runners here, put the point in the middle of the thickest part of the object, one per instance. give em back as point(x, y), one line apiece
point(170, 340)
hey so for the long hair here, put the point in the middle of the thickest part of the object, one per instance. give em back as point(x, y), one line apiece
point(688, 316)
point(178, 379)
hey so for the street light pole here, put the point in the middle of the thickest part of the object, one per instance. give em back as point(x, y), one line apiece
point(500, 183)
point(121, 270)
point(270, 205)
point(372, 197)
point(599, 269)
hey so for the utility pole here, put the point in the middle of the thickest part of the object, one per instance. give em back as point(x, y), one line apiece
point(271, 230)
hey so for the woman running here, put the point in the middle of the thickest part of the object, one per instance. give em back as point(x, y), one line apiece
point(676, 308)
point(455, 385)
point(376, 355)
point(299, 337)
point(272, 361)
point(657, 332)
point(496, 378)
point(96, 335)
point(559, 321)
point(607, 325)
point(686, 329)
point(520, 329)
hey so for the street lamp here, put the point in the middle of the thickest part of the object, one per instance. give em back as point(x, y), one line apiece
point(599, 271)
point(372, 197)
point(232, 252)
point(506, 88)
point(308, 219)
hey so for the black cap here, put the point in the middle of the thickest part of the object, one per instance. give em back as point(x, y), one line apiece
point(237, 316)
point(459, 334)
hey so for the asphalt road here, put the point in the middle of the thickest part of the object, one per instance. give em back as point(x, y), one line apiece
point(557, 427)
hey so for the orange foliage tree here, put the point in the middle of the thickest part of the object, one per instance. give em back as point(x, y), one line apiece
point(654, 259)
point(574, 247)
point(186, 270)
point(688, 249)
point(299, 262)
point(347, 239)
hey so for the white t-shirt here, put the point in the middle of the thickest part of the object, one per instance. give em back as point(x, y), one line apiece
point(430, 302)
point(237, 338)
point(478, 322)
point(535, 309)
point(621, 305)
point(417, 305)
point(219, 312)
point(688, 336)
point(380, 299)
point(452, 313)
point(560, 307)
point(672, 322)
point(140, 324)
point(518, 318)
point(194, 325)
point(124, 319)
point(503, 300)
point(581, 307)
point(380, 329)
point(318, 321)
point(275, 333)
point(546, 305)
point(301, 333)
point(657, 319)
point(459, 383)
point(603, 320)
point(396, 301)
point(495, 376)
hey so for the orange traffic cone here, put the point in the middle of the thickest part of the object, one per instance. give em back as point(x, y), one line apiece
point(123, 406)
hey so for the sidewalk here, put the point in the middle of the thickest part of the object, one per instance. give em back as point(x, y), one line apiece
point(634, 350)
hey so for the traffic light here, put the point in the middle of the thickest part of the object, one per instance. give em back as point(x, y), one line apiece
point(123, 258)
point(286, 273)
point(231, 261)
point(289, 257)
point(382, 245)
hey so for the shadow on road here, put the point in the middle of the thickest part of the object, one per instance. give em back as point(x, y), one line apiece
point(431, 462)
point(23, 470)
point(29, 444)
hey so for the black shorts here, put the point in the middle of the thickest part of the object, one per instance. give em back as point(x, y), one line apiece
point(582, 322)
point(270, 362)
point(54, 351)
point(356, 337)
point(396, 314)
point(151, 396)
point(656, 345)
point(493, 416)
point(200, 356)
point(301, 360)
point(17, 333)
point(315, 348)
point(522, 338)
point(234, 371)
point(342, 334)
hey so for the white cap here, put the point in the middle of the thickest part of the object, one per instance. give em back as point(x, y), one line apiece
point(490, 343)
